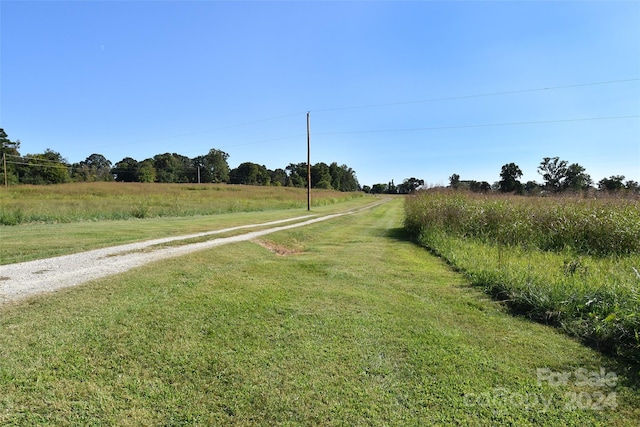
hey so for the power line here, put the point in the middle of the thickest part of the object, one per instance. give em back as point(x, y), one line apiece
point(33, 158)
point(38, 164)
point(401, 103)
point(262, 141)
point(224, 127)
point(451, 98)
point(480, 125)
point(392, 104)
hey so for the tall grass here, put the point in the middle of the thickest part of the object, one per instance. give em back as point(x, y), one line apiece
point(566, 261)
point(114, 201)
point(601, 227)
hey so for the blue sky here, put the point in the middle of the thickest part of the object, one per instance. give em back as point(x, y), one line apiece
point(391, 86)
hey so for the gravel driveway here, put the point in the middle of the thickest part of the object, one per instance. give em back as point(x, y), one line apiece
point(28, 278)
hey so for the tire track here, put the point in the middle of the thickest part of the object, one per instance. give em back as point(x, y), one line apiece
point(23, 279)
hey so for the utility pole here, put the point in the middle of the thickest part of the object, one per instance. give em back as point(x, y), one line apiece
point(4, 168)
point(308, 162)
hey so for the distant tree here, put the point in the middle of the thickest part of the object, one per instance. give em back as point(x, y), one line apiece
point(366, 189)
point(246, 173)
point(554, 173)
point(126, 170)
point(172, 167)
point(297, 175)
point(146, 172)
point(576, 179)
point(321, 176)
point(212, 167)
point(216, 164)
point(532, 187)
point(249, 173)
point(203, 173)
point(349, 180)
point(337, 175)
point(509, 178)
point(410, 185)
point(94, 168)
point(392, 188)
point(613, 183)
point(9, 149)
point(454, 181)
point(632, 186)
point(379, 188)
point(264, 176)
point(278, 177)
point(478, 187)
point(46, 168)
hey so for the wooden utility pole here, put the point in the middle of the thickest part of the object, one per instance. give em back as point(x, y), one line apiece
point(308, 162)
point(4, 168)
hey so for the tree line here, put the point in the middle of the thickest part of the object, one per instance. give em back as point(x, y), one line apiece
point(558, 176)
point(408, 186)
point(51, 168)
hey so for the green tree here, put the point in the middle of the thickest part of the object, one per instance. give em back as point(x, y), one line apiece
point(348, 181)
point(554, 173)
point(532, 187)
point(249, 173)
point(613, 183)
point(336, 173)
point(392, 188)
point(216, 164)
point(9, 150)
point(509, 178)
point(45, 168)
point(410, 185)
point(94, 168)
point(172, 167)
point(379, 188)
point(321, 176)
point(278, 177)
point(126, 170)
point(146, 172)
point(479, 187)
point(576, 179)
point(454, 181)
point(297, 175)
point(632, 186)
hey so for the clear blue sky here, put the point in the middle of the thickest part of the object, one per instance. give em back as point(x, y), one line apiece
point(139, 78)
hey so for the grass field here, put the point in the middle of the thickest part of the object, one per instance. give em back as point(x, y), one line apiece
point(570, 262)
point(115, 201)
point(44, 221)
point(355, 326)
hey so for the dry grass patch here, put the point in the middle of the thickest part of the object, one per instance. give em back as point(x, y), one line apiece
point(279, 249)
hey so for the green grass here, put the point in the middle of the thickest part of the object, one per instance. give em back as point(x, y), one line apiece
point(357, 326)
point(599, 227)
point(98, 201)
point(567, 262)
point(34, 240)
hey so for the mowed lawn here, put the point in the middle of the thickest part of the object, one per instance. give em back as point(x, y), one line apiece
point(353, 325)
